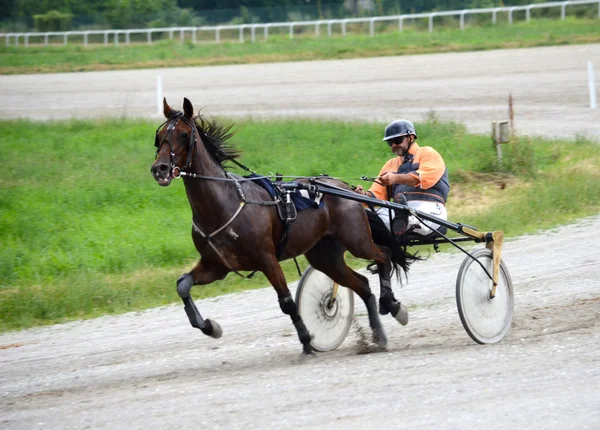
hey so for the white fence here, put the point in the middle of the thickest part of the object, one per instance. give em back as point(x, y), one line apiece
point(253, 29)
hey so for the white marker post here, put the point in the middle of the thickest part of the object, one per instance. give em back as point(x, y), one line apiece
point(592, 85)
point(159, 95)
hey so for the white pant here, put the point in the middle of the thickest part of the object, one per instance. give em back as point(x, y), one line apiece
point(438, 210)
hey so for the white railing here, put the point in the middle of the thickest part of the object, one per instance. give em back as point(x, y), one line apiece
point(117, 35)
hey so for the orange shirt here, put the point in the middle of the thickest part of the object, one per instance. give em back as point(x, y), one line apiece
point(431, 168)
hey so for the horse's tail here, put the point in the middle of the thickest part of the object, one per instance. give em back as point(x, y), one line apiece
point(401, 258)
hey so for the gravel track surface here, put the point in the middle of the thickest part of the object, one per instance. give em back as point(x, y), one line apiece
point(152, 370)
point(549, 86)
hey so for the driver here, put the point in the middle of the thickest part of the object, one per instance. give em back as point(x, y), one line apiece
point(416, 177)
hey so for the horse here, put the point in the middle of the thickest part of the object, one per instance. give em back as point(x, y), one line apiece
point(235, 226)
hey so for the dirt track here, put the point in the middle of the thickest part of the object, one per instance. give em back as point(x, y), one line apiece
point(549, 86)
point(151, 370)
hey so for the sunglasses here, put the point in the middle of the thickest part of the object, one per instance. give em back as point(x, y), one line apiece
point(396, 141)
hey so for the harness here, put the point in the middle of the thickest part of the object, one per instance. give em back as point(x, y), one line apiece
point(286, 209)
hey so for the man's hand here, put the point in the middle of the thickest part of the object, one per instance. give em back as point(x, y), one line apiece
point(360, 190)
point(388, 178)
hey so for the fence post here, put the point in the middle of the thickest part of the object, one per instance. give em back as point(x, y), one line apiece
point(528, 14)
point(291, 31)
point(266, 32)
point(242, 34)
point(159, 94)
point(500, 135)
point(462, 20)
point(400, 23)
point(510, 15)
point(592, 85)
point(431, 22)
point(372, 27)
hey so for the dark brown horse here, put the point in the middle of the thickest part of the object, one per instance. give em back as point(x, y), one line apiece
point(233, 230)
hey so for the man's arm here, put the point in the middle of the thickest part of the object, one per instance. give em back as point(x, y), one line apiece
point(431, 168)
point(391, 178)
point(380, 191)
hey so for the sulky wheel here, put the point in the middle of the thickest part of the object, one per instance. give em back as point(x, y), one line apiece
point(327, 320)
point(486, 320)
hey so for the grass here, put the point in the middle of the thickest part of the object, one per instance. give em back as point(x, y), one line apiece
point(86, 231)
point(387, 41)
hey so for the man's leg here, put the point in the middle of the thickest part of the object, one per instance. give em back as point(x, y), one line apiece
point(436, 209)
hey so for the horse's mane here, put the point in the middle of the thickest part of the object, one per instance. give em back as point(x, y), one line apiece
point(215, 137)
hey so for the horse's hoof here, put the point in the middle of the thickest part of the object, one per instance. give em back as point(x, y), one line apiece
point(307, 349)
point(380, 341)
point(213, 329)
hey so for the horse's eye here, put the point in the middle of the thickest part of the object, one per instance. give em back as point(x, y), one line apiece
point(184, 135)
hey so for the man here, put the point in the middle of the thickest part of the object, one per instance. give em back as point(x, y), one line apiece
point(416, 177)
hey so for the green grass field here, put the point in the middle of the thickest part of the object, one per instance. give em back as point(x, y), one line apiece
point(86, 231)
point(387, 41)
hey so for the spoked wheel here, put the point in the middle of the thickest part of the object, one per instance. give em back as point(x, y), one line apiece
point(328, 319)
point(486, 319)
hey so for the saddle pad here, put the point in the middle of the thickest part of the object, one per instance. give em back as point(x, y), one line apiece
point(302, 199)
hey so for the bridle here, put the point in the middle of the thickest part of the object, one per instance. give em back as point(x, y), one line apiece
point(171, 125)
point(177, 172)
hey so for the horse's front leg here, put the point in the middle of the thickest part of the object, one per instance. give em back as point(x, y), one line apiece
point(204, 273)
point(275, 275)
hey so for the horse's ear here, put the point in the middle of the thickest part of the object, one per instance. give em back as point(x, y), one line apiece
point(188, 109)
point(166, 108)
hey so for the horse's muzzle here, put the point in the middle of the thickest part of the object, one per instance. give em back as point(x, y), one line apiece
point(161, 173)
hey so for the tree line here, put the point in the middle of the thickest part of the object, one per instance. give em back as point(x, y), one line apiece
point(56, 15)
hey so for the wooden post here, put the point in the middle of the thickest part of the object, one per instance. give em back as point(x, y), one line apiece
point(500, 135)
point(511, 116)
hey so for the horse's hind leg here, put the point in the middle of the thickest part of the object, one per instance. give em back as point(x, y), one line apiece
point(387, 300)
point(360, 244)
point(274, 274)
point(327, 256)
point(204, 273)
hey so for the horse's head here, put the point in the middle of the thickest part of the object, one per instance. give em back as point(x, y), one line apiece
point(175, 142)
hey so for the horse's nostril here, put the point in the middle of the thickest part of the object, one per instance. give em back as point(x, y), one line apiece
point(163, 168)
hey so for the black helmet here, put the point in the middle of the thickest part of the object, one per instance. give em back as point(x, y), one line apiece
point(398, 128)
